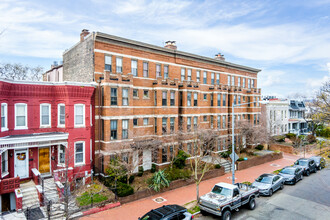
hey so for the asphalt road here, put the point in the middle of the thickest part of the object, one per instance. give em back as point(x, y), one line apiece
point(308, 199)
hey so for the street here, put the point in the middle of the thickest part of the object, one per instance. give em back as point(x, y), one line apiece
point(308, 199)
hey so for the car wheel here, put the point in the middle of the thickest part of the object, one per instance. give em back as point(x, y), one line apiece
point(226, 215)
point(301, 177)
point(203, 212)
point(307, 173)
point(282, 186)
point(319, 167)
point(270, 192)
point(315, 170)
point(252, 204)
point(294, 181)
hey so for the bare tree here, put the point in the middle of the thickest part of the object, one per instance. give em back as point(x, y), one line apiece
point(20, 72)
point(321, 103)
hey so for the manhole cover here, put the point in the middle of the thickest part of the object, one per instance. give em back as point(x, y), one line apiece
point(159, 199)
point(275, 165)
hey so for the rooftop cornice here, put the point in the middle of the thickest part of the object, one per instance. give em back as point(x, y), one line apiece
point(107, 37)
point(43, 83)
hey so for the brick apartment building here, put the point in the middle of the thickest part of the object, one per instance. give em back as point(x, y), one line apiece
point(45, 127)
point(150, 91)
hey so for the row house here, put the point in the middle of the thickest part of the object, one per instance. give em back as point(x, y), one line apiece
point(285, 116)
point(45, 127)
point(151, 92)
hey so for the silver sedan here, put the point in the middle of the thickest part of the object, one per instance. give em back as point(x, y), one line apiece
point(269, 183)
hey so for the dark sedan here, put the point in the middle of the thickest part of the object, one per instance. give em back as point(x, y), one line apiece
point(319, 162)
point(307, 165)
point(291, 175)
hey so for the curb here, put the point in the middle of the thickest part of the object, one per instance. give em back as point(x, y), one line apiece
point(100, 209)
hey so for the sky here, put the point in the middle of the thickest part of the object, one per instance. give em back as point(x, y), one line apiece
point(288, 40)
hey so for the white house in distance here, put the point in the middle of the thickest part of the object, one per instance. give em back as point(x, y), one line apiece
point(285, 116)
point(277, 111)
point(55, 74)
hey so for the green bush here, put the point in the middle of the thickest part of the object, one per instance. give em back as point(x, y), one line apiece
point(153, 168)
point(86, 199)
point(180, 159)
point(247, 183)
point(279, 138)
point(311, 139)
point(217, 166)
point(301, 137)
point(123, 179)
point(141, 170)
point(124, 190)
point(225, 154)
point(240, 159)
point(175, 174)
point(259, 147)
point(277, 171)
point(158, 180)
point(323, 132)
point(290, 135)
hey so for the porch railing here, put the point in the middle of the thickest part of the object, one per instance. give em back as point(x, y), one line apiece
point(9, 185)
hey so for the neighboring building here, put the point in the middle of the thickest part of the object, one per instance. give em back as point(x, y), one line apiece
point(44, 127)
point(55, 74)
point(277, 111)
point(297, 122)
point(150, 92)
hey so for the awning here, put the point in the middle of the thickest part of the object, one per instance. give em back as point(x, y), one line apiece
point(33, 140)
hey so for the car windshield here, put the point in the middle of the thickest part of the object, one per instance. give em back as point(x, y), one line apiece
point(264, 179)
point(221, 191)
point(288, 171)
point(301, 162)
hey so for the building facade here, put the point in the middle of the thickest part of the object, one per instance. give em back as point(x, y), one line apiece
point(55, 74)
point(151, 92)
point(277, 111)
point(297, 122)
point(45, 127)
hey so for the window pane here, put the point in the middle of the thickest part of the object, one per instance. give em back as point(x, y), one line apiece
point(20, 110)
point(20, 120)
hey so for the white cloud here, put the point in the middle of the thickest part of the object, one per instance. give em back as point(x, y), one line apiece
point(269, 78)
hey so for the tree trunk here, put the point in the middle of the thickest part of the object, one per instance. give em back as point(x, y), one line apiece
point(197, 192)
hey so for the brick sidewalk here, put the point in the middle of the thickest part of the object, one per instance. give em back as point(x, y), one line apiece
point(186, 194)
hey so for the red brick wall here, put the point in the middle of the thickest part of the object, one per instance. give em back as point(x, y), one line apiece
point(241, 165)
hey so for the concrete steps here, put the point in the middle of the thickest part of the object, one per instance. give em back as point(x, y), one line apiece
point(51, 193)
point(226, 165)
point(30, 195)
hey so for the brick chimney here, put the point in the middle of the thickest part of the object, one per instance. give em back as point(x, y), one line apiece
point(219, 56)
point(83, 34)
point(170, 45)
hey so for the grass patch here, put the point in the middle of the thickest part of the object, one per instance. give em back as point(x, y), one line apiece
point(194, 209)
point(86, 199)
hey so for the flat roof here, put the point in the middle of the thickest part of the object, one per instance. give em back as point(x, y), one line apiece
point(44, 83)
point(141, 45)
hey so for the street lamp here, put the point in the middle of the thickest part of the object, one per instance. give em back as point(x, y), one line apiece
point(233, 135)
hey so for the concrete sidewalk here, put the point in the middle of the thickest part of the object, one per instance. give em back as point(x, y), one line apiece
point(186, 194)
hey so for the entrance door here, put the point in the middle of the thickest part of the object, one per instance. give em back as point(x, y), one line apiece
point(44, 160)
point(146, 159)
point(21, 164)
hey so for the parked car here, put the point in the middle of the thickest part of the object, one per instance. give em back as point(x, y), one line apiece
point(269, 183)
point(168, 212)
point(308, 165)
point(319, 162)
point(291, 175)
point(226, 197)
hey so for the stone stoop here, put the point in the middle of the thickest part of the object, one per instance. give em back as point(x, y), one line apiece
point(30, 195)
point(50, 190)
point(226, 164)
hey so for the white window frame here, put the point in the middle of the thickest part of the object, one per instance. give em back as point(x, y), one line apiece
point(59, 115)
point(75, 121)
point(91, 114)
point(134, 73)
point(26, 125)
point(49, 115)
point(5, 173)
point(80, 163)
point(145, 120)
point(58, 155)
point(119, 64)
point(5, 114)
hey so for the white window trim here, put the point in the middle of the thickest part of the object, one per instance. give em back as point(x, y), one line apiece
point(82, 163)
point(26, 116)
point(91, 114)
point(7, 172)
point(75, 123)
point(58, 156)
point(6, 116)
point(49, 115)
point(58, 115)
